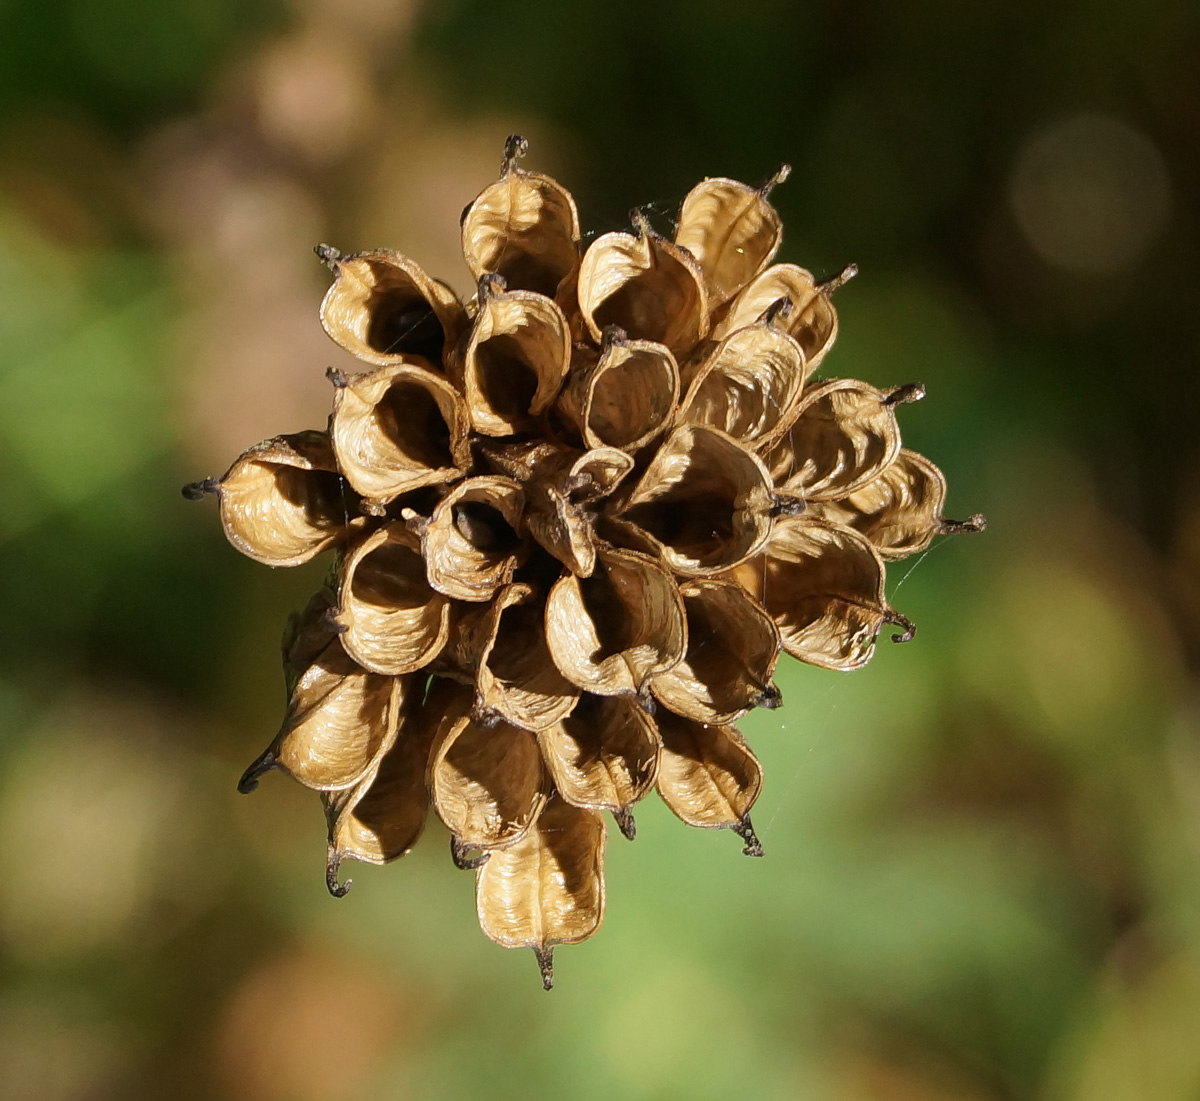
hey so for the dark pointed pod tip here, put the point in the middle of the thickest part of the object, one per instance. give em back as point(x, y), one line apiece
point(545, 959)
point(912, 391)
point(328, 255)
point(625, 823)
point(612, 334)
point(459, 853)
point(255, 772)
point(788, 506)
point(771, 698)
point(515, 147)
point(975, 523)
point(490, 285)
point(195, 491)
point(745, 831)
point(338, 890)
point(774, 180)
point(838, 281)
point(336, 377)
point(897, 620)
point(641, 221)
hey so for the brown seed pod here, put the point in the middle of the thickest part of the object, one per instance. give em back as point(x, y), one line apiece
point(624, 397)
point(646, 286)
point(703, 504)
point(392, 620)
point(733, 645)
point(823, 585)
point(470, 543)
point(611, 632)
point(385, 310)
point(282, 501)
point(604, 755)
point(900, 510)
point(524, 228)
point(548, 887)
point(731, 230)
point(514, 359)
point(708, 776)
point(397, 429)
point(844, 436)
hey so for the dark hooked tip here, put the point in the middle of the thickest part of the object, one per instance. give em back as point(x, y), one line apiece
point(259, 768)
point(338, 890)
point(328, 255)
point(745, 831)
point(195, 491)
point(625, 822)
point(460, 854)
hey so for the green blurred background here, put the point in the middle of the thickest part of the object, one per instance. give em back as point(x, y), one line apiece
point(983, 852)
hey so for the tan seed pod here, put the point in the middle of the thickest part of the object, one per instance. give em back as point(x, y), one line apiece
point(733, 645)
point(900, 510)
point(645, 285)
point(749, 387)
point(604, 755)
point(823, 585)
point(384, 309)
point(470, 543)
point(392, 620)
point(397, 429)
point(731, 230)
point(611, 632)
point(703, 504)
point(844, 436)
point(282, 501)
point(486, 782)
point(548, 887)
point(625, 396)
point(708, 776)
point(524, 228)
point(514, 359)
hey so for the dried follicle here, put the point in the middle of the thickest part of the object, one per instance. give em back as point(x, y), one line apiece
point(514, 359)
point(397, 429)
point(703, 504)
point(733, 645)
point(625, 396)
point(383, 308)
point(644, 285)
point(392, 620)
point(708, 776)
point(524, 228)
point(548, 887)
point(282, 501)
point(732, 230)
point(611, 632)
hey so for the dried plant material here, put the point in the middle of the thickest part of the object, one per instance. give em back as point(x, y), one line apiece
point(708, 776)
point(471, 543)
point(644, 285)
point(524, 228)
point(548, 888)
point(900, 511)
point(731, 230)
point(625, 396)
point(283, 502)
point(383, 309)
point(750, 385)
point(397, 429)
point(704, 503)
point(516, 679)
point(515, 358)
point(611, 632)
point(392, 620)
point(844, 436)
point(733, 646)
point(486, 782)
point(823, 585)
point(604, 755)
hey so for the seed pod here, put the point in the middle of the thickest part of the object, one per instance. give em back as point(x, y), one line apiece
point(844, 436)
point(900, 510)
point(708, 776)
point(548, 887)
point(624, 397)
point(486, 782)
point(610, 632)
point(393, 621)
point(525, 228)
point(604, 755)
point(731, 230)
point(397, 429)
point(517, 680)
point(703, 504)
point(733, 645)
point(514, 360)
point(812, 320)
point(470, 543)
point(823, 585)
point(749, 387)
point(645, 285)
point(385, 310)
point(283, 502)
